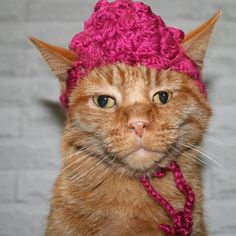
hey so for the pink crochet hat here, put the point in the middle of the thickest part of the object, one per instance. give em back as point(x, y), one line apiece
point(128, 32)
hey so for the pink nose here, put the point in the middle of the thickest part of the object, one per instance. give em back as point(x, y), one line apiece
point(138, 126)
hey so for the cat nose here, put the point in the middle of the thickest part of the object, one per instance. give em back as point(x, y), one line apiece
point(138, 126)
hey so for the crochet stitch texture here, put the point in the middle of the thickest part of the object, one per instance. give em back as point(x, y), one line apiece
point(128, 32)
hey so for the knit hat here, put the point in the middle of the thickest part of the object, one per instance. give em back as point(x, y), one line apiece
point(128, 32)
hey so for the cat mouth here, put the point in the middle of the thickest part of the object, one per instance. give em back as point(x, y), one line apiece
point(142, 152)
point(143, 159)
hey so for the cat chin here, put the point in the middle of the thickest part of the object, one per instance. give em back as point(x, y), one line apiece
point(142, 160)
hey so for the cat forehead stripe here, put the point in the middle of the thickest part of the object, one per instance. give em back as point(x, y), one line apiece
point(128, 32)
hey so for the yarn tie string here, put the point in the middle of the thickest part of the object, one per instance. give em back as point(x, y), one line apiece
point(182, 220)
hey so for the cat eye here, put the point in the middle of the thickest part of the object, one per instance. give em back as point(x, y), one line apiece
point(104, 101)
point(162, 97)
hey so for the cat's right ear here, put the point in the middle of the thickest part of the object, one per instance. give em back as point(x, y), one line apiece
point(59, 59)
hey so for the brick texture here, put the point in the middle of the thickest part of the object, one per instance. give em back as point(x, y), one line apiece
point(31, 120)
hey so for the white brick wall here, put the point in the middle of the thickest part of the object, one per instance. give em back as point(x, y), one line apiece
point(31, 120)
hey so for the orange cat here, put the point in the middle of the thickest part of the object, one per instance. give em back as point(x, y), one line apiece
point(124, 122)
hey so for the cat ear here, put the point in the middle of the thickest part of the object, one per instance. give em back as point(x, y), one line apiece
point(196, 42)
point(59, 59)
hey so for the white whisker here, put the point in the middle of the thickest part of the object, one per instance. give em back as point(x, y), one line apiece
point(78, 161)
point(195, 157)
point(204, 154)
point(71, 155)
point(89, 170)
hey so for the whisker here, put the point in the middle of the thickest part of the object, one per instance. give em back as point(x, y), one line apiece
point(197, 159)
point(106, 177)
point(210, 137)
point(203, 163)
point(170, 155)
point(204, 154)
point(78, 161)
point(71, 155)
point(89, 170)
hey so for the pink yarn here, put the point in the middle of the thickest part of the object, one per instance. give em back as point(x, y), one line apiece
point(128, 32)
point(182, 220)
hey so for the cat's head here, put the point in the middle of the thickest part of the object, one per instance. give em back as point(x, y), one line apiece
point(133, 117)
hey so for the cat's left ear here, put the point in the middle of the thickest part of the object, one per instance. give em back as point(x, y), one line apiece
point(196, 42)
point(59, 59)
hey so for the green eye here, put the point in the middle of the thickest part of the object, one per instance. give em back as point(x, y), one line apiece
point(162, 97)
point(104, 101)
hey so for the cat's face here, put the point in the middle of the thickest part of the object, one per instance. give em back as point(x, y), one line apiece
point(133, 119)
point(137, 117)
